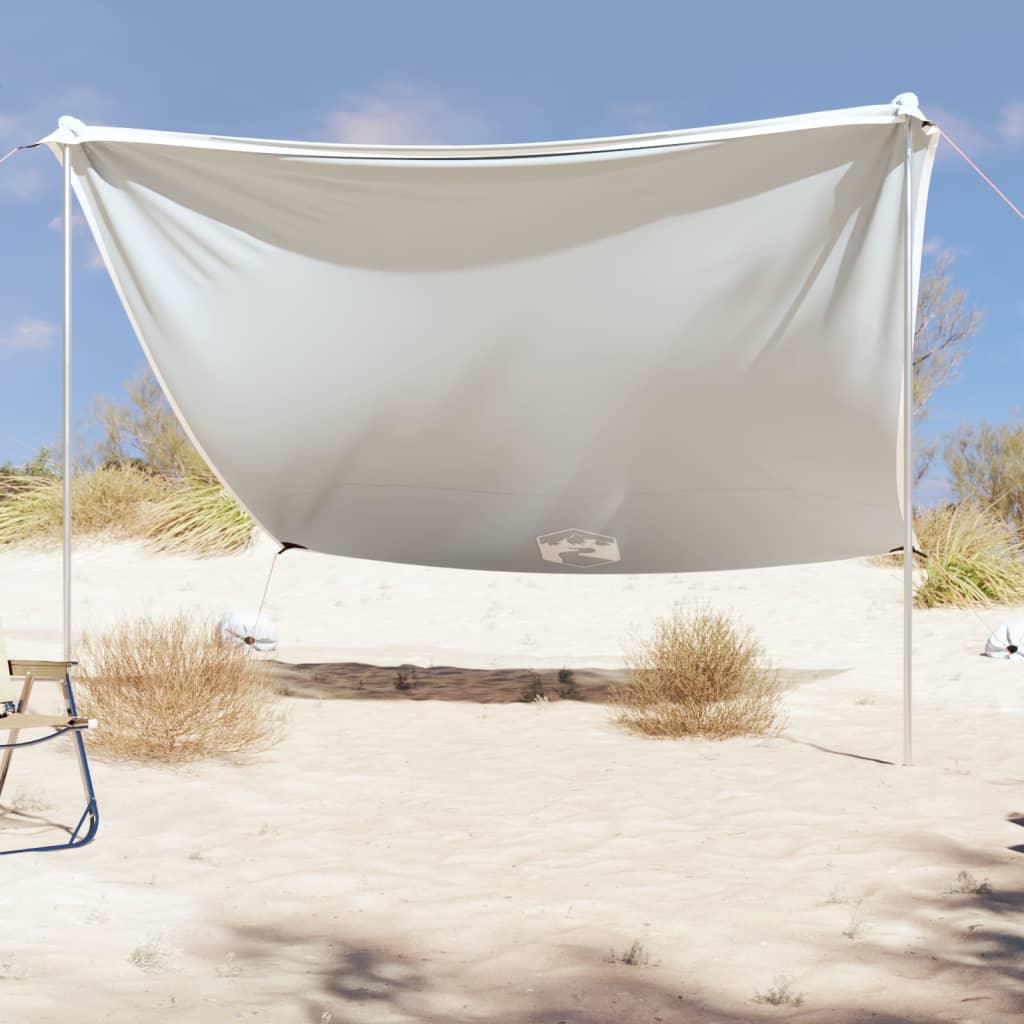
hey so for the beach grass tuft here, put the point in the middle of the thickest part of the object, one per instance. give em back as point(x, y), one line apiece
point(175, 690)
point(974, 558)
point(198, 517)
point(699, 674)
point(195, 515)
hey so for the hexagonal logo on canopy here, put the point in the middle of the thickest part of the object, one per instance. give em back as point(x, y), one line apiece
point(578, 549)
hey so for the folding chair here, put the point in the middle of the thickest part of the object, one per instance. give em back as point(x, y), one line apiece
point(15, 716)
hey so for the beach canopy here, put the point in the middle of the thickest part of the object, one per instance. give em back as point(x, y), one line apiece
point(664, 352)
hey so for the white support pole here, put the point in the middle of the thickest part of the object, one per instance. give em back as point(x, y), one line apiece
point(66, 588)
point(908, 466)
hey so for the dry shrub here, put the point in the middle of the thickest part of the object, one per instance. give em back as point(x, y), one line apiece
point(175, 690)
point(973, 558)
point(699, 675)
point(111, 500)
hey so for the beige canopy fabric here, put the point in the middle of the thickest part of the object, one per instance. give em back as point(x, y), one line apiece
point(665, 352)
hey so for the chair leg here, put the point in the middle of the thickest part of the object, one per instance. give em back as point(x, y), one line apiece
point(91, 811)
point(5, 765)
point(89, 821)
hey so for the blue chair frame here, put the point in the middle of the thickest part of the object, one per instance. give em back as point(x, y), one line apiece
point(32, 672)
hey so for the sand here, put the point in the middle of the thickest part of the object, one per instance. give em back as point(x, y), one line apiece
point(450, 854)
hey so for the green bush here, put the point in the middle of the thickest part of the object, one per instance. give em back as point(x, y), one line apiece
point(973, 557)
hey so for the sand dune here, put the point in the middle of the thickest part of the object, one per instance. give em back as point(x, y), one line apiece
point(451, 854)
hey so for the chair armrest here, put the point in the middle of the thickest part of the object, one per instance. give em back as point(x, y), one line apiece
point(40, 669)
point(20, 720)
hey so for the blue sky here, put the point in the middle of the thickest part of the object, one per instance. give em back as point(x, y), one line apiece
point(450, 71)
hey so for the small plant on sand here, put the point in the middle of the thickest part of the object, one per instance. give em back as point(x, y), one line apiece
point(150, 956)
point(699, 675)
point(11, 970)
point(405, 678)
point(634, 955)
point(533, 692)
point(175, 690)
point(973, 558)
point(966, 884)
point(28, 803)
point(567, 686)
point(855, 926)
point(780, 993)
point(230, 968)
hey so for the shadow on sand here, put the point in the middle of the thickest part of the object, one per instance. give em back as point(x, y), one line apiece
point(974, 978)
point(960, 958)
point(350, 680)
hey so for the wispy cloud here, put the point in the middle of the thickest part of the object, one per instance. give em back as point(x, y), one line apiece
point(638, 116)
point(93, 261)
point(1007, 134)
point(1011, 128)
point(401, 113)
point(963, 131)
point(58, 222)
point(29, 335)
point(25, 176)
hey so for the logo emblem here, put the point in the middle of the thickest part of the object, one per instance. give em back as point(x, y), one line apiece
point(580, 549)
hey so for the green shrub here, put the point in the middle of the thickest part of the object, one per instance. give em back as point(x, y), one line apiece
point(986, 467)
point(973, 558)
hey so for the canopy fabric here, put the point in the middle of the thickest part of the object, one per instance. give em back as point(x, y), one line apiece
point(667, 352)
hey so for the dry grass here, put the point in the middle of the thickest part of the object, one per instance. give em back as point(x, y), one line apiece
point(634, 955)
point(111, 500)
point(175, 690)
point(973, 558)
point(966, 884)
point(150, 483)
point(781, 993)
point(151, 956)
point(201, 518)
point(699, 675)
point(195, 516)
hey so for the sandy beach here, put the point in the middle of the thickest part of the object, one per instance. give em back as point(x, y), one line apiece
point(452, 854)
